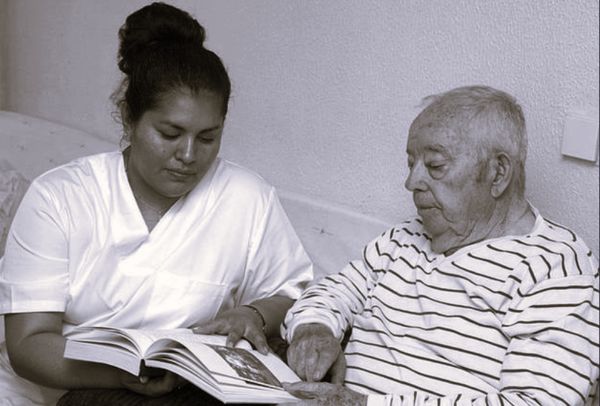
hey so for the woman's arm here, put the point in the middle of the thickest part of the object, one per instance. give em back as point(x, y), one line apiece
point(36, 346)
point(273, 310)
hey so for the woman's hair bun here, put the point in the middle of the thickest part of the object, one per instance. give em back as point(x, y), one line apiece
point(153, 25)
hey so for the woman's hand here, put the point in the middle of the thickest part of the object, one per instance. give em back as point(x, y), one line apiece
point(240, 322)
point(149, 384)
point(324, 394)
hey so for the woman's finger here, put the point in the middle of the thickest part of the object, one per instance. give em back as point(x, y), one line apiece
point(258, 340)
point(233, 337)
point(212, 327)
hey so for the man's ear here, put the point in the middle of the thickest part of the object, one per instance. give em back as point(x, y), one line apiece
point(502, 173)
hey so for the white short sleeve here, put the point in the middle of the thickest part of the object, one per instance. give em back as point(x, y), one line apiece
point(34, 273)
point(277, 263)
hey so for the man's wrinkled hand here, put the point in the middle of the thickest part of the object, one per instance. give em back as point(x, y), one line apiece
point(313, 351)
point(240, 322)
point(324, 394)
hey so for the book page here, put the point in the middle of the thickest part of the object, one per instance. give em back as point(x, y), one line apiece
point(142, 339)
point(230, 374)
point(123, 348)
point(241, 363)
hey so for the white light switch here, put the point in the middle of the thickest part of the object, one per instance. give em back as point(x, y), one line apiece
point(580, 138)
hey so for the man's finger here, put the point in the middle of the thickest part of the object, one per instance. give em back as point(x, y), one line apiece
point(338, 370)
point(310, 359)
point(309, 390)
point(296, 361)
point(326, 358)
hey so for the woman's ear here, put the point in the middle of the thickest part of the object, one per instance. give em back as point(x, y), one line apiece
point(125, 120)
point(502, 171)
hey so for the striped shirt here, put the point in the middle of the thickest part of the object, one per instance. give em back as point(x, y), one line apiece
point(507, 321)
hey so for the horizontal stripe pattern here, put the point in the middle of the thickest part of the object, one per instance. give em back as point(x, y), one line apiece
point(506, 321)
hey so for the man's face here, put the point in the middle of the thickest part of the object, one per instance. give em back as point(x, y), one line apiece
point(448, 183)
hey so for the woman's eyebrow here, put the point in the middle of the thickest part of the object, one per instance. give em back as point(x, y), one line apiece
point(170, 124)
point(206, 130)
point(180, 128)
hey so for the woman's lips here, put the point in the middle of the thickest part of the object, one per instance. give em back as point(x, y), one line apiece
point(182, 175)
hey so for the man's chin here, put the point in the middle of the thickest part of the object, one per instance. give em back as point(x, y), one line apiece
point(432, 225)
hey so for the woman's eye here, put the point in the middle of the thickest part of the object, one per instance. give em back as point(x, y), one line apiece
point(166, 134)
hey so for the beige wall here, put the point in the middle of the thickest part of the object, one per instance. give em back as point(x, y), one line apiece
point(324, 91)
point(2, 53)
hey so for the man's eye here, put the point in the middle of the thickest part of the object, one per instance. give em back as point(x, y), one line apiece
point(436, 170)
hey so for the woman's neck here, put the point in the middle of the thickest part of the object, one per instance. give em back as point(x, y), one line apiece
point(152, 205)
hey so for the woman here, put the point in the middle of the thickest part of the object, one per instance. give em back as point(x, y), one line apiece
point(161, 235)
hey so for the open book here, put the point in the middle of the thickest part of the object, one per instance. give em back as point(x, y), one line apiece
point(232, 375)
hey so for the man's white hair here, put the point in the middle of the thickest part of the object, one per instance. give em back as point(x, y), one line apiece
point(488, 116)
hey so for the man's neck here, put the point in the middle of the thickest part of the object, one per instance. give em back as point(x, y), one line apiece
point(516, 218)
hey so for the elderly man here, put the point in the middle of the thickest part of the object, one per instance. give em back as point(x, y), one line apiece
point(478, 301)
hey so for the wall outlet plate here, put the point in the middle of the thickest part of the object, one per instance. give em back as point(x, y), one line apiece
point(580, 136)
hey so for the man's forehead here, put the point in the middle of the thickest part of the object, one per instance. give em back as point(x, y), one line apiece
point(434, 139)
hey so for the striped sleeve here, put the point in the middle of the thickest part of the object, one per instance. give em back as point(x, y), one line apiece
point(552, 358)
point(337, 298)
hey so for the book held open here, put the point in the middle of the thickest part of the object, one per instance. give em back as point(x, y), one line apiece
point(232, 375)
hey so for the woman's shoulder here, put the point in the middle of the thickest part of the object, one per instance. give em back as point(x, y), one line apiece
point(79, 171)
point(239, 178)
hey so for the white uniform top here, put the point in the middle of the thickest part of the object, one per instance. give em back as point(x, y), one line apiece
point(79, 245)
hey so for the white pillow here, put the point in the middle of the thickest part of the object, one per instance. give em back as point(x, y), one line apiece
point(12, 188)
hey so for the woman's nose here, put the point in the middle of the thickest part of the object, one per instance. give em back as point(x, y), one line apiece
point(186, 150)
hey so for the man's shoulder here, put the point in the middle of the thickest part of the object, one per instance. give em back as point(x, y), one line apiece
point(560, 238)
point(410, 231)
point(405, 239)
point(556, 248)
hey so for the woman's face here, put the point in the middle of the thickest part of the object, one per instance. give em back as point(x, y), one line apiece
point(174, 144)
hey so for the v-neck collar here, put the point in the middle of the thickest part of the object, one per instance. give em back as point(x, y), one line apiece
point(129, 227)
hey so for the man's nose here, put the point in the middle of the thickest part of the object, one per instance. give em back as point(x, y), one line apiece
point(415, 178)
point(186, 149)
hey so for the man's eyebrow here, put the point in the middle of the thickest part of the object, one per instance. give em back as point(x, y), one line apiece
point(437, 148)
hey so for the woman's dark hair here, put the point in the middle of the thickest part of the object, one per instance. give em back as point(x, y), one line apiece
point(161, 50)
